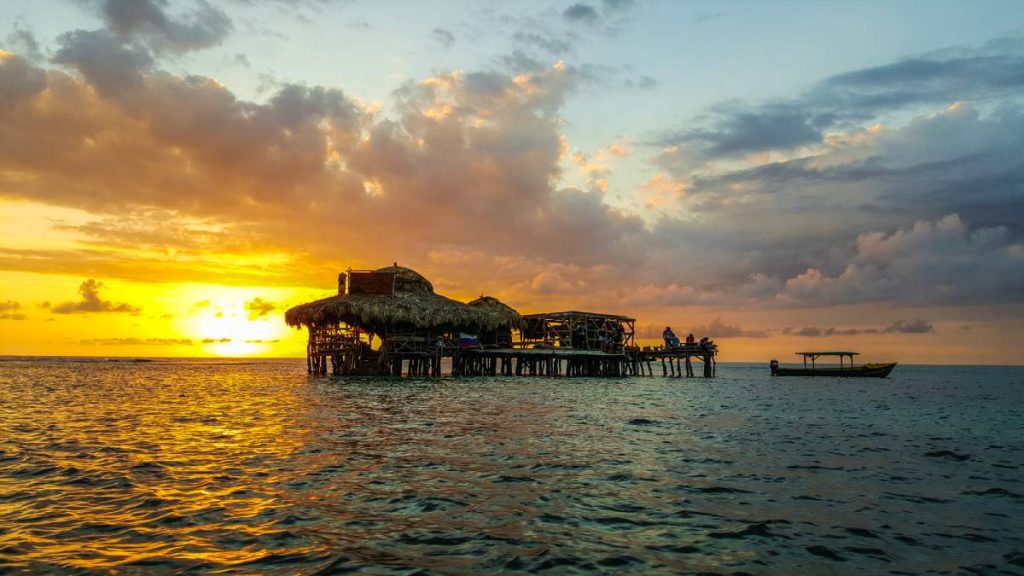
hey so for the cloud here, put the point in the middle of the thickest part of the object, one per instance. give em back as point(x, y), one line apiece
point(718, 329)
point(580, 12)
point(814, 332)
point(443, 37)
point(941, 262)
point(91, 302)
point(966, 74)
point(549, 44)
point(617, 5)
point(189, 181)
point(703, 17)
point(9, 310)
point(939, 77)
point(916, 326)
point(109, 65)
point(23, 41)
point(215, 341)
point(809, 331)
point(643, 82)
point(137, 341)
point(20, 83)
point(148, 20)
point(741, 131)
point(258, 308)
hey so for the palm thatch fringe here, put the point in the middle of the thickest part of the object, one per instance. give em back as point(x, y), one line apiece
point(508, 316)
point(413, 305)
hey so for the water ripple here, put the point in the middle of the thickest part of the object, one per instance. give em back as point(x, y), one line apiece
point(252, 467)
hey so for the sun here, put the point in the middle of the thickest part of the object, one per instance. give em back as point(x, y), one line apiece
point(221, 325)
point(227, 332)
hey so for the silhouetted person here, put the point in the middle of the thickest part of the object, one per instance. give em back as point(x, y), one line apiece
point(671, 340)
point(579, 337)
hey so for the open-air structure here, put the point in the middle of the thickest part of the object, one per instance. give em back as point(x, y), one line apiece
point(390, 321)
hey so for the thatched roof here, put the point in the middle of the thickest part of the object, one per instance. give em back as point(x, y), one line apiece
point(499, 309)
point(413, 304)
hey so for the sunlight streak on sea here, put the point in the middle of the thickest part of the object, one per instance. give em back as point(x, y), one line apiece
point(253, 467)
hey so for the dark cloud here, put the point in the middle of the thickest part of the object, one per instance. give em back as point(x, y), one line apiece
point(977, 74)
point(108, 64)
point(22, 41)
point(916, 326)
point(443, 37)
point(258, 308)
point(147, 20)
point(580, 12)
point(703, 17)
point(814, 332)
point(643, 82)
point(941, 262)
point(738, 131)
point(9, 310)
point(20, 82)
point(617, 5)
point(808, 331)
point(215, 341)
point(549, 44)
point(91, 302)
point(718, 329)
point(180, 164)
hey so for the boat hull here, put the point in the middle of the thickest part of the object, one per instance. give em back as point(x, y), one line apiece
point(865, 371)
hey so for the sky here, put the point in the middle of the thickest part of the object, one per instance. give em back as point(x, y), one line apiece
point(779, 176)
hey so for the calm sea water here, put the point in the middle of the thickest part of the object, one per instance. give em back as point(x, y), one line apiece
point(253, 467)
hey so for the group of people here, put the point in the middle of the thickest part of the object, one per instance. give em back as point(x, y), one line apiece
point(608, 340)
point(672, 341)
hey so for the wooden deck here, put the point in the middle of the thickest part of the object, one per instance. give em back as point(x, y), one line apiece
point(548, 362)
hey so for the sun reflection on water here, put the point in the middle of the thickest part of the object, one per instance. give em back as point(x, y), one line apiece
point(163, 466)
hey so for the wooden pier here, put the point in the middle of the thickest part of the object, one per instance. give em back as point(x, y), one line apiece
point(339, 354)
point(389, 322)
point(675, 362)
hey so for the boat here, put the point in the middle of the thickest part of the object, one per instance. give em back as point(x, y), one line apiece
point(871, 370)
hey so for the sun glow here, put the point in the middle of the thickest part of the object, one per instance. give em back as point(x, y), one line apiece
point(222, 321)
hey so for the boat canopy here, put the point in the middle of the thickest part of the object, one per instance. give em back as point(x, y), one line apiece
point(815, 355)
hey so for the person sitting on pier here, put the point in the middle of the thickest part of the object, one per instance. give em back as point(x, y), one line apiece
point(579, 337)
point(705, 344)
point(618, 335)
point(671, 340)
point(690, 339)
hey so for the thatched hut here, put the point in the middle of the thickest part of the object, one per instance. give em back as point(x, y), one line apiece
point(500, 336)
point(398, 306)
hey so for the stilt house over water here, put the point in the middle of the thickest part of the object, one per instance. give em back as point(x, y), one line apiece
point(390, 321)
point(380, 318)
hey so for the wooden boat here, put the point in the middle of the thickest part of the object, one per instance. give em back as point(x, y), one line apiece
point(863, 371)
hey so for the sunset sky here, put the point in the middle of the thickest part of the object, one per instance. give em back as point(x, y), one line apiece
point(779, 175)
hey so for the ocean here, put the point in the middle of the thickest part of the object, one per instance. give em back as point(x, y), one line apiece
point(253, 467)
